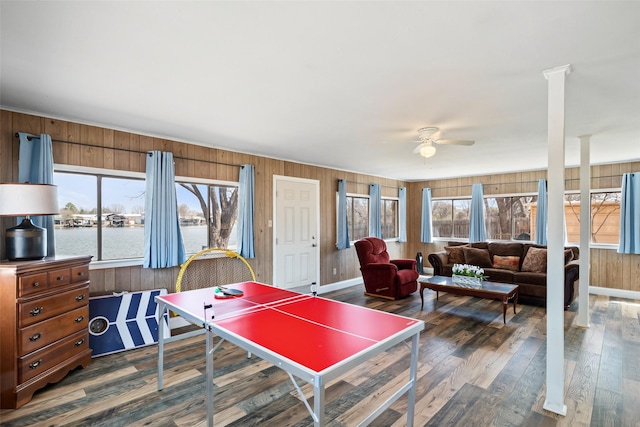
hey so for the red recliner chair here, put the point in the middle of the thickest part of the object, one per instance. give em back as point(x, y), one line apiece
point(383, 277)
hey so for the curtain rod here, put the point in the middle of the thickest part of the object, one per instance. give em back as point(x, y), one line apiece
point(130, 151)
point(364, 183)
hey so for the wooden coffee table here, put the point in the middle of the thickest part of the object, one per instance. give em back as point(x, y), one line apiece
point(489, 290)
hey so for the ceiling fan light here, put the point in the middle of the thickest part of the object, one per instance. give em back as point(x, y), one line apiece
point(427, 151)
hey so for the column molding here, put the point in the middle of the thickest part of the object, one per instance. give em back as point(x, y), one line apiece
point(585, 231)
point(554, 401)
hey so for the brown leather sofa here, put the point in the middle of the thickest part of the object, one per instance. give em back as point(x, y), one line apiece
point(507, 262)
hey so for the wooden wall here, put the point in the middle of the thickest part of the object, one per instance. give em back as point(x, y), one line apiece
point(608, 268)
point(108, 150)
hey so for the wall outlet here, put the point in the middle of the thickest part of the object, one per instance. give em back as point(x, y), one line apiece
point(335, 271)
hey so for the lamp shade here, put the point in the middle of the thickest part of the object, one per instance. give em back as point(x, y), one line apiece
point(24, 199)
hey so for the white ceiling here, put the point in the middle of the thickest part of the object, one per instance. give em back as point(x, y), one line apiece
point(339, 84)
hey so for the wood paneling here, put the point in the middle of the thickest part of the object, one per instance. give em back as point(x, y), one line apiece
point(108, 151)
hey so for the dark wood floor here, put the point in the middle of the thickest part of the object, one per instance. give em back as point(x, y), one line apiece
point(474, 371)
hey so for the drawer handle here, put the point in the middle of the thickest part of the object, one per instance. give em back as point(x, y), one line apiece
point(80, 297)
point(81, 273)
point(79, 319)
point(35, 337)
point(34, 365)
point(60, 278)
point(36, 284)
point(79, 342)
point(36, 311)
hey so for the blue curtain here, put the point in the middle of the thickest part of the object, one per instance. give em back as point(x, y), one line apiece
point(402, 214)
point(477, 231)
point(245, 212)
point(163, 245)
point(35, 165)
point(426, 235)
point(541, 214)
point(375, 225)
point(343, 225)
point(630, 214)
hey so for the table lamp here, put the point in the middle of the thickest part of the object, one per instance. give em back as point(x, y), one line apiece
point(27, 241)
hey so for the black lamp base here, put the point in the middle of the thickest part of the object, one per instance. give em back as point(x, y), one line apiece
point(26, 241)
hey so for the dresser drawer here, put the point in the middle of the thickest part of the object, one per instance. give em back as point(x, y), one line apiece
point(59, 277)
point(39, 361)
point(43, 333)
point(31, 283)
point(79, 274)
point(45, 308)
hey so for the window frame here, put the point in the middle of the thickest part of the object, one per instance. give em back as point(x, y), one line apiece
point(366, 196)
point(591, 192)
point(114, 173)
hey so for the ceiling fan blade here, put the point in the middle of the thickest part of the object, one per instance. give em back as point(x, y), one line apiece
point(454, 142)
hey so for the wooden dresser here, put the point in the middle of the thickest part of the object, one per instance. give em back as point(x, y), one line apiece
point(44, 313)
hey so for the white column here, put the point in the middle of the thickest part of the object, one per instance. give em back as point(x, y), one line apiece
point(555, 241)
point(585, 232)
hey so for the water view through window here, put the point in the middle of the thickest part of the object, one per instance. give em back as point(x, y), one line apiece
point(120, 233)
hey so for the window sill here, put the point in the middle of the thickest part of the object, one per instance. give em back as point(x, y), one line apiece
point(115, 263)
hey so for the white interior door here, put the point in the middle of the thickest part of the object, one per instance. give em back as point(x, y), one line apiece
point(296, 245)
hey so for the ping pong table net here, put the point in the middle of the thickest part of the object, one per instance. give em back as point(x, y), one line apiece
point(213, 267)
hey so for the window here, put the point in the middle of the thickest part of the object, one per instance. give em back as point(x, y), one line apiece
point(514, 217)
point(357, 216)
point(461, 213)
point(442, 218)
point(508, 218)
point(605, 217)
point(389, 218)
point(103, 215)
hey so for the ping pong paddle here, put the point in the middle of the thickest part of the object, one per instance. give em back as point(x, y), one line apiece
point(223, 292)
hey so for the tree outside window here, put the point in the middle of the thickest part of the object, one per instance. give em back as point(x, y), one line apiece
point(389, 219)
point(357, 217)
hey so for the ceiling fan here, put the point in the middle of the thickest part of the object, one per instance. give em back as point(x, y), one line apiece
point(426, 140)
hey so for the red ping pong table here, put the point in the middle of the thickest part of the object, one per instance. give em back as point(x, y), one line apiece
point(312, 338)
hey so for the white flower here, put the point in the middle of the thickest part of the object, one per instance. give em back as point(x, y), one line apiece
point(468, 270)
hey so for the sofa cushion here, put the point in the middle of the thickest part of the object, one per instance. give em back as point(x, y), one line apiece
point(499, 275)
point(506, 249)
point(479, 245)
point(535, 261)
point(455, 254)
point(506, 262)
point(539, 279)
point(477, 257)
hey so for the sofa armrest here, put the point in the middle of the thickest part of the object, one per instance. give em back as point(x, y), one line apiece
point(437, 260)
point(404, 264)
point(571, 276)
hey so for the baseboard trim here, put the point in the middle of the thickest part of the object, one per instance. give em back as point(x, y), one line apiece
point(340, 285)
point(611, 292)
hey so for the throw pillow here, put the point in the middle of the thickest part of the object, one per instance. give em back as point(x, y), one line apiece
point(455, 254)
point(535, 261)
point(506, 262)
point(477, 257)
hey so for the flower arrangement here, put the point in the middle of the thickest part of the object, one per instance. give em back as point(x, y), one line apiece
point(468, 271)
